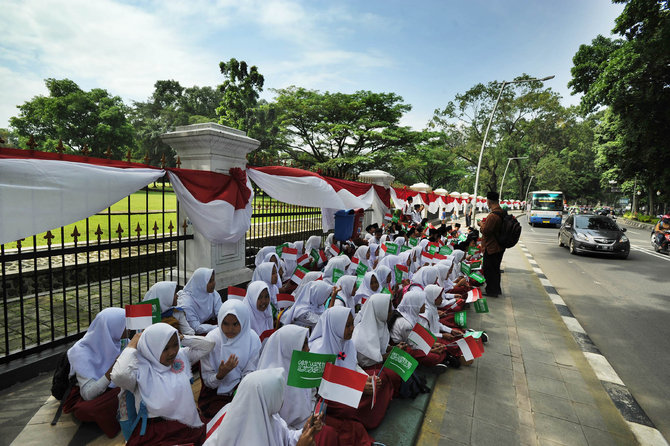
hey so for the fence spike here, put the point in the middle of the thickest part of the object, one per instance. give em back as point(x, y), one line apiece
point(178, 163)
point(31, 143)
point(75, 234)
point(185, 225)
point(146, 158)
point(19, 242)
point(108, 153)
point(138, 229)
point(128, 155)
point(60, 148)
point(155, 229)
point(171, 227)
point(119, 230)
point(98, 232)
point(48, 236)
point(163, 161)
point(85, 150)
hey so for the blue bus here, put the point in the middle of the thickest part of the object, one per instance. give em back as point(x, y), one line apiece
point(545, 207)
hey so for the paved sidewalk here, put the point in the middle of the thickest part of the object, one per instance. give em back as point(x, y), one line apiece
point(533, 386)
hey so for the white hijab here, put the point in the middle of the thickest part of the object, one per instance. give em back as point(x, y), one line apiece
point(164, 292)
point(457, 257)
point(314, 242)
point(411, 304)
point(310, 299)
point(260, 255)
point(260, 320)
point(166, 391)
point(246, 345)
point(382, 272)
point(371, 336)
point(427, 275)
point(194, 296)
point(92, 355)
point(263, 272)
point(361, 254)
point(252, 417)
point(365, 291)
point(444, 267)
point(337, 262)
point(309, 277)
point(431, 314)
point(277, 352)
point(374, 247)
point(328, 337)
point(400, 241)
point(347, 284)
point(300, 246)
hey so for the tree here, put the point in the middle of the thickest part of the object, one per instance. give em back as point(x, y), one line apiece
point(92, 118)
point(339, 131)
point(241, 89)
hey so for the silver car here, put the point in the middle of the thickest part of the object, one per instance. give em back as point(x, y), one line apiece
point(595, 234)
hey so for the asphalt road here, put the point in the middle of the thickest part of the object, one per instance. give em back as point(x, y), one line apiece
point(624, 306)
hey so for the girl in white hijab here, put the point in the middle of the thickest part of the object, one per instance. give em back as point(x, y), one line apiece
point(253, 416)
point(257, 301)
point(345, 296)
point(371, 335)
point(339, 262)
point(374, 254)
point(370, 286)
point(158, 372)
point(433, 299)
point(268, 273)
point(235, 354)
point(457, 277)
point(264, 251)
point(309, 277)
point(385, 277)
point(360, 257)
point(427, 275)
point(166, 294)
point(94, 398)
point(314, 242)
point(400, 241)
point(309, 304)
point(200, 300)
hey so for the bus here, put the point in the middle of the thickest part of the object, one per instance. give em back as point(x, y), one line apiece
point(545, 207)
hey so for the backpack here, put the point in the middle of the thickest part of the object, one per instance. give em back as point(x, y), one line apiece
point(61, 384)
point(510, 230)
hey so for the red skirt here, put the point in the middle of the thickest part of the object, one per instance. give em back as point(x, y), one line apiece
point(327, 436)
point(100, 410)
point(210, 403)
point(349, 432)
point(428, 360)
point(162, 432)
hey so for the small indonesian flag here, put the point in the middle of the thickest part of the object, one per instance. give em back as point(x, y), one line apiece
point(236, 293)
point(401, 272)
point(285, 300)
point(299, 274)
point(437, 257)
point(289, 253)
point(422, 338)
point(355, 260)
point(138, 317)
point(473, 295)
point(430, 225)
point(427, 257)
point(303, 260)
point(266, 334)
point(334, 249)
point(342, 385)
point(388, 216)
point(470, 348)
point(280, 249)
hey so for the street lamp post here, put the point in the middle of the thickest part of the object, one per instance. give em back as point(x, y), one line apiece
point(528, 188)
point(503, 178)
point(488, 127)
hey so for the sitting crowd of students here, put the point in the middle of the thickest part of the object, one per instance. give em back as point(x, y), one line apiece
point(357, 301)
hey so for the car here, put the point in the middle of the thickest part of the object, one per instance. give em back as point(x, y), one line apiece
point(590, 233)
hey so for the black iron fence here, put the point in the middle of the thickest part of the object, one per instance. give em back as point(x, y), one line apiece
point(53, 284)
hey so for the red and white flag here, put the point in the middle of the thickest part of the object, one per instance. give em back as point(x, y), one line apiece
point(421, 338)
point(236, 293)
point(303, 260)
point(342, 385)
point(299, 274)
point(138, 317)
point(334, 249)
point(470, 347)
point(285, 300)
point(427, 257)
point(388, 216)
point(355, 260)
point(289, 253)
point(473, 295)
point(437, 257)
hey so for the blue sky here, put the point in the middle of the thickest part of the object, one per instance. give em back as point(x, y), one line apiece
point(425, 51)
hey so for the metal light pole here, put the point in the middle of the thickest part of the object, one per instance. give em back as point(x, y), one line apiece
point(508, 161)
point(488, 127)
point(528, 188)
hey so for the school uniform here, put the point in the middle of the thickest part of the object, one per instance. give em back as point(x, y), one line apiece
point(260, 321)
point(200, 306)
point(309, 305)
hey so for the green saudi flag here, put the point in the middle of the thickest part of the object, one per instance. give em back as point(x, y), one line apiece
point(307, 368)
point(386, 291)
point(359, 281)
point(460, 319)
point(155, 310)
point(401, 362)
point(481, 306)
point(474, 334)
point(462, 237)
point(405, 248)
point(279, 249)
point(395, 219)
point(361, 269)
point(446, 250)
point(477, 276)
point(465, 268)
point(412, 241)
point(472, 250)
point(476, 264)
point(432, 249)
point(337, 273)
point(391, 248)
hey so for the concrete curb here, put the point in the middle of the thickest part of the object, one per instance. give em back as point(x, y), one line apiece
point(638, 421)
point(636, 224)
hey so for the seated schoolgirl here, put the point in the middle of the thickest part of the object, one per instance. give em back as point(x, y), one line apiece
point(374, 254)
point(451, 301)
point(309, 304)
point(432, 317)
point(200, 300)
point(95, 397)
point(257, 301)
point(460, 281)
point(369, 287)
point(235, 355)
point(252, 418)
point(360, 257)
point(339, 262)
point(345, 295)
point(171, 314)
point(269, 273)
point(158, 372)
point(427, 275)
point(412, 305)
point(385, 277)
point(309, 277)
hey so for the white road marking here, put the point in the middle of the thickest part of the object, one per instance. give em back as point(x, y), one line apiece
point(556, 299)
point(647, 435)
point(573, 324)
point(651, 252)
point(602, 367)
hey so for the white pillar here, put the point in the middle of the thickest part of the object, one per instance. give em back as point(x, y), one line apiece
point(216, 148)
point(380, 178)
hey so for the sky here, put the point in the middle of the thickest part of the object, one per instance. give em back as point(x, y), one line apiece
point(425, 51)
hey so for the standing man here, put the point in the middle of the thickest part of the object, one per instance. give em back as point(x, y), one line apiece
point(468, 213)
point(493, 252)
point(407, 210)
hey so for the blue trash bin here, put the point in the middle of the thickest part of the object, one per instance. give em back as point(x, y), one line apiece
point(344, 224)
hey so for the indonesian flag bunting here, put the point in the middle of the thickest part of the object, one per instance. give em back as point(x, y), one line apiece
point(388, 216)
point(337, 273)
point(236, 293)
point(401, 273)
point(285, 300)
point(342, 385)
point(460, 318)
point(390, 248)
point(481, 306)
point(401, 363)
point(334, 249)
point(477, 276)
point(138, 317)
point(465, 268)
point(299, 274)
point(422, 338)
point(289, 253)
point(446, 250)
point(473, 295)
point(303, 260)
point(307, 368)
point(469, 347)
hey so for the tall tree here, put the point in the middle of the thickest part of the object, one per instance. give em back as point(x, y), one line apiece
point(93, 118)
point(241, 89)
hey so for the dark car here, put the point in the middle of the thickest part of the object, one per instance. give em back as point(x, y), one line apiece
point(593, 233)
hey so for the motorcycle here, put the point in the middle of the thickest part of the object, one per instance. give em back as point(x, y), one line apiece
point(664, 247)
